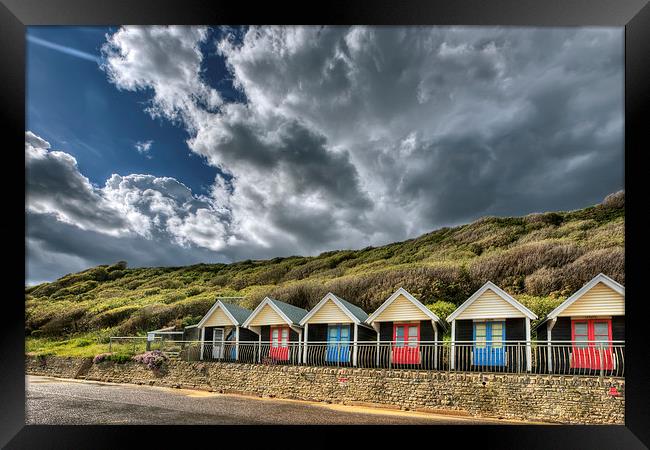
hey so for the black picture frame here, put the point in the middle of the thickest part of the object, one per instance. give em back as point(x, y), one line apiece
point(634, 15)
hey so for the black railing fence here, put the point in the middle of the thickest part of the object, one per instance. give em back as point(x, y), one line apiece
point(596, 358)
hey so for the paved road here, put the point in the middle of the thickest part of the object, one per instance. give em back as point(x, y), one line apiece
point(62, 401)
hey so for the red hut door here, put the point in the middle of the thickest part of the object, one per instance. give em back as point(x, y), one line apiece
point(406, 337)
point(591, 342)
point(279, 343)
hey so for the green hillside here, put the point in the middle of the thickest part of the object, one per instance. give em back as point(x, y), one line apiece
point(540, 258)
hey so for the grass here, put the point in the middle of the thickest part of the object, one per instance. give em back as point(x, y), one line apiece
point(539, 258)
point(65, 347)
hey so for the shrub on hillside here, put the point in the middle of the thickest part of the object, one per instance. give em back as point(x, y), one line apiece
point(549, 218)
point(522, 260)
point(610, 261)
point(64, 322)
point(569, 278)
point(112, 317)
point(615, 200)
point(76, 289)
point(544, 281)
point(120, 265)
point(302, 294)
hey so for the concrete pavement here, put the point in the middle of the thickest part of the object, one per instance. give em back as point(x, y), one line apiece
point(65, 401)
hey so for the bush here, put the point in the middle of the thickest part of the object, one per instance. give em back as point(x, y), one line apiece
point(442, 309)
point(153, 359)
point(81, 342)
point(118, 358)
point(544, 281)
point(120, 265)
point(615, 200)
point(523, 260)
point(112, 317)
point(101, 358)
point(549, 218)
point(63, 322)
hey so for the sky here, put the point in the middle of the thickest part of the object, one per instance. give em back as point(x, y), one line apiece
point(167, 146)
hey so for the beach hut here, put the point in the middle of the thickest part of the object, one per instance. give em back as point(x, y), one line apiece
point(335, 326)
point(406, 332)
point(277, 325)
point(582, 328)
point(221, 331)
point(491, 331)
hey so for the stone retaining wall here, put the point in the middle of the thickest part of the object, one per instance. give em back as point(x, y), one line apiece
point(58, 366)
point(547, 398)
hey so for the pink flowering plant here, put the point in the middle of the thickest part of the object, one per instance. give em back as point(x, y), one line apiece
point(101, 358)
point(153, 359)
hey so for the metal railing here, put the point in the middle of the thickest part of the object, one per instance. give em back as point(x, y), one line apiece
point(536, 357)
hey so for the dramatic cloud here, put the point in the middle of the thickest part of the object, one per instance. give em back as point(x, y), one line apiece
point(148, 220)
point(355, 136)
point(55, 186)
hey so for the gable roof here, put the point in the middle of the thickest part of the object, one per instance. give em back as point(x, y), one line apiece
point(237, 314)
point(356, 314)
point(600, 278)
point(409, 297)
point(291, 314)
point(497, 290)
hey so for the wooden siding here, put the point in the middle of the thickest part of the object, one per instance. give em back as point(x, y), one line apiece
point(267, 316)
point(329, 313)
point(489, 305)
point(218, 318)
point(401, 309)
point(600, 300)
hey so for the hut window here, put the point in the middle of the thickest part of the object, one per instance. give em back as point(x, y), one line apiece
point(497, 334)
point(406, 334)
point(480, 334)
point(590, 330)
point(279, 337)
point(580, 333)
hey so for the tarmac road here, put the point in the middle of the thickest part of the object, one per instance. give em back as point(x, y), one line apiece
point(57, 401)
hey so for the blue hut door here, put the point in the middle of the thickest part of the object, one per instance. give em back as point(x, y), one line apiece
point(338, 343)
point(488, 344)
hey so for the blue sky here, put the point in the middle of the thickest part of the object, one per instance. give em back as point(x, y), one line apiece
point(172, 145)
point(71, 104)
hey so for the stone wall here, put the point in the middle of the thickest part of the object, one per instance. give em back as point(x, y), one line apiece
point(58, 366)
point(547, 398)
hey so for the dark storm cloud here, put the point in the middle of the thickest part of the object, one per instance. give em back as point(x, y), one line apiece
point(55, 248)
point(55, 185)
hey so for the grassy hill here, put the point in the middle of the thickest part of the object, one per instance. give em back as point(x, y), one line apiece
point(539, 258)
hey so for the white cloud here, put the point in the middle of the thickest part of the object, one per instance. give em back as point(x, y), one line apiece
point(143, 147)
